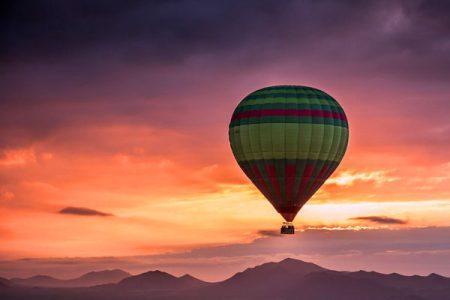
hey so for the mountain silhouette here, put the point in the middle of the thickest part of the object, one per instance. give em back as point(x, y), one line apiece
point(287, 279)
point(273, 272)
point(4, 282)
point(158, 280)
point(88, 279)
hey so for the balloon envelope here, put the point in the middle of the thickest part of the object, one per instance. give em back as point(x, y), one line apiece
point(288, 140)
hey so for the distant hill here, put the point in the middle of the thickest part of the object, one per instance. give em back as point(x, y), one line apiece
point(273, 272)
point(4, 282)
point(88, 279)
point(157, 280)
point(288, 279)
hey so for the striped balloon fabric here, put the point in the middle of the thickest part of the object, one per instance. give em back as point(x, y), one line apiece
point(288, 140)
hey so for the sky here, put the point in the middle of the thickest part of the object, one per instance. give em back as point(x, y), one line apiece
point(114, 134)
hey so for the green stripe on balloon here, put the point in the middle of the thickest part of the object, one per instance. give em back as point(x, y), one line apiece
point(290, 89)
point(281, 99)
point(278, 105)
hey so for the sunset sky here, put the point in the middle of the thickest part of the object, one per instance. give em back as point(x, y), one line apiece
point(114, 134)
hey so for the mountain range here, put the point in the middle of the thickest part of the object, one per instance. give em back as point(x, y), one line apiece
point(88, 279)
point(287, 279)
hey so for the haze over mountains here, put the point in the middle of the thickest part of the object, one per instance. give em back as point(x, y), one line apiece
point(88, 279)
point(288, 279)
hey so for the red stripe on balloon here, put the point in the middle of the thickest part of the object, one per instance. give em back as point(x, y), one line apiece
point(290, 172)
point(260, 182)
point(289, 112)
point(305, 179)
point(270, 169)
point(319, 180)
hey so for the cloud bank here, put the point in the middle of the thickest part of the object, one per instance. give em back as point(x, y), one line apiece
point(407, 251)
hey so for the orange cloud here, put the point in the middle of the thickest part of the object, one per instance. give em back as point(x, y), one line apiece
point(158, 180)
point(17, 157)
point(348, 178)
point(6, 195)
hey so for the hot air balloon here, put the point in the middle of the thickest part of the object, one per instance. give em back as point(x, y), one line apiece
point(288, 140)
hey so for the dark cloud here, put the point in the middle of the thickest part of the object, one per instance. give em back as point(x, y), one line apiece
point(380, 220)
point(172, 31)
point(72, 63)
point(166, 31)
point(268, 233)
point(83, 211)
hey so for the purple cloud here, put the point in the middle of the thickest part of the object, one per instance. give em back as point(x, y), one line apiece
point(268, 233)
point(380, 220)
point(83, 211)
